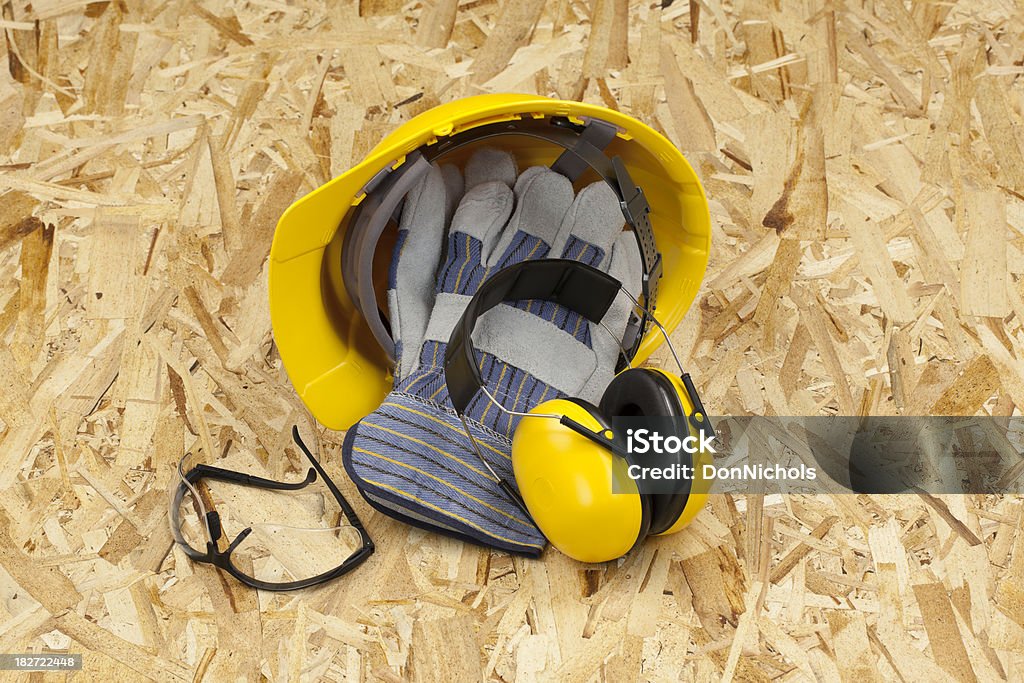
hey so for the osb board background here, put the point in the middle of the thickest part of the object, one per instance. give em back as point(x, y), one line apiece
point(865, 163)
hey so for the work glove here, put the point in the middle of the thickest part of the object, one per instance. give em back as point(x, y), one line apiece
point(411, 457)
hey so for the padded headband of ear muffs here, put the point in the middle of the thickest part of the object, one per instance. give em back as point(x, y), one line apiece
point(642, 392)
point(581, 288)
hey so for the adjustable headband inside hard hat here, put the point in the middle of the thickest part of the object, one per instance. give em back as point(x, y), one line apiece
point(584, 146)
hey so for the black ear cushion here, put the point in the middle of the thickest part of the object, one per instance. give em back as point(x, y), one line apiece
point(642, 392)
point(646, 507)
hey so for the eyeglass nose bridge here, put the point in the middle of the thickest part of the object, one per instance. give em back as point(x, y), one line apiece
point(214, 525)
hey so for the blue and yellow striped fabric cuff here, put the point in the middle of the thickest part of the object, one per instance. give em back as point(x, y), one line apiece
point(414, 462)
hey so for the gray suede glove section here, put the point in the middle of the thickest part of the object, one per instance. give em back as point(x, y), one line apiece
point(425, 219)
point(496, 207)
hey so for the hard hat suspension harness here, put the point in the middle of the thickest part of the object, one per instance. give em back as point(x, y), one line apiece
point(583, 146)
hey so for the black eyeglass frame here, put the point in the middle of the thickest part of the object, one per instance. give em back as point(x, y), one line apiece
point(222, 559)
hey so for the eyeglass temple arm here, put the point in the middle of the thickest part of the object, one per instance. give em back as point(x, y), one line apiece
point(212, 518)
point(349, 511)
point(219, 474)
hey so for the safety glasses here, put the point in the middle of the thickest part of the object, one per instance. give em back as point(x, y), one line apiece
point(267, 555)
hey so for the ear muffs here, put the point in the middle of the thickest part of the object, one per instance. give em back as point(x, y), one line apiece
point(566, 481)
point(644, 392)
point(571, 471)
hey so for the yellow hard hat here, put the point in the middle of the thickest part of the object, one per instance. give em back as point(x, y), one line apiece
point(327, 328)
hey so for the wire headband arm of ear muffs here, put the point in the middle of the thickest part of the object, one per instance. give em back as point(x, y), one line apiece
point(578, 287)
point(583, 145)
point(211, 521)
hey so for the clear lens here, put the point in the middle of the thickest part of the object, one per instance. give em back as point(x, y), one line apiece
point(191, 514)
point(295, 535)
point(278, 553)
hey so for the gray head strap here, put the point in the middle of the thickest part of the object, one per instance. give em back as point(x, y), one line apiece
point(383, 196)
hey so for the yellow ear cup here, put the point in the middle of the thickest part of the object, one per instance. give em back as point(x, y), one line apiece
point(566, 482)
point(700, 486)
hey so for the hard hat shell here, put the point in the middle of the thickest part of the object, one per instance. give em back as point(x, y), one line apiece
point(327, 349)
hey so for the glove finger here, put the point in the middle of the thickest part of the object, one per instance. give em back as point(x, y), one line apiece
point(590, 226)
point(586, 234)
point(415, 260)
point(482, 210)
point(475, 229)
point(542, 199)
point(624, 265)
point(454, 187)
point(488, 164)
point(426, 205)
